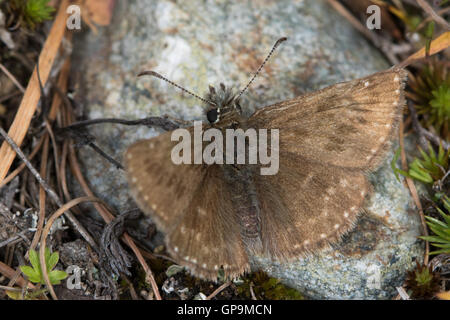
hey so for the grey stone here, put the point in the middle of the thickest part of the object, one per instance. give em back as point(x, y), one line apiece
point(197, 43)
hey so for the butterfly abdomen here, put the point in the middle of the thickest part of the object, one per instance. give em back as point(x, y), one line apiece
point(246, 205)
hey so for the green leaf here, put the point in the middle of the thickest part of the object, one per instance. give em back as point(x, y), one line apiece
point(31, 273)
point(15, 295)
point(34, 260)
point(439, 251)
point(436, 222)
point(439, 233)
point(56, 276)
point(46, 255)
point(422, 176)
point(433, 239)
point(52, 261)
point(447, 245)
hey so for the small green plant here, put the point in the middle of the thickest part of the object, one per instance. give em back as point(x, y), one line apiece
point(423, 282)
point(441, 229)
point(429, 89)
point(431, 168)
point(33, 12)
point(440, 106)
point(34, 273)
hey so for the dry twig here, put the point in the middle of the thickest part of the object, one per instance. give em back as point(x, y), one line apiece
point(429, 10)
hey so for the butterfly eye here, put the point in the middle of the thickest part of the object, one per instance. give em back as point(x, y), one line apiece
point(212, 115)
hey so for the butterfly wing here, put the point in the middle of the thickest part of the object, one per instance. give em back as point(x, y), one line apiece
point(329, 140)
point(190, 204)
point(207, 237)
point(307, 206)
point(349, 124)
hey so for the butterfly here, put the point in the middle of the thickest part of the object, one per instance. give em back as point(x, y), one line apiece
point(215, 216)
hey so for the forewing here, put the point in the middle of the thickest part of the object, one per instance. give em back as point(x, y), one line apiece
point(191, 204)
point(161, 188)
point(349, 124)
point(308, 205)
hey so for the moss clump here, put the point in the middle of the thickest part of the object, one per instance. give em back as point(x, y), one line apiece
point(32, 12)
point(430, 92)
point(265, 287)
point(422, 282)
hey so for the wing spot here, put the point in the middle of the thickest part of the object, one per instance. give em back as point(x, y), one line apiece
point(297, 246)
point(194, 260)
point(308, 179)
point(201, 211)
point(323, 235)
point(129, 156)
point(366, 84)
point(373, 150)
point(183, 229)
point(146, 198)
point(397, 91)
point(175, 249)
point(336, 226)
point(198, 236)
point(325, 213)
point(187, 258)
point(362, 193)
point(326, 198)
point(345, 214)
point(154, 206)
point(381, 139)
point(395, 103)
point(204, 266)
point(216, 267)
point(396, 79)
point(151, 145)
point(134, 179)
point(353, 209)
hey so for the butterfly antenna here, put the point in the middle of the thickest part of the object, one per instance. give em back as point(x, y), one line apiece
point(279, 41)
point(157, 75)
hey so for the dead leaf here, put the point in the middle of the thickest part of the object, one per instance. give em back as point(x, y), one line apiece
point(445, 295)
point(440, 43)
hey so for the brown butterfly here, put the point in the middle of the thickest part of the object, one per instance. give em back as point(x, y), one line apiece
point(215, 216)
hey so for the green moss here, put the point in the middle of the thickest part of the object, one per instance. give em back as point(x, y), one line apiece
point(430, 92)
point(33, 12)
point(265, 287)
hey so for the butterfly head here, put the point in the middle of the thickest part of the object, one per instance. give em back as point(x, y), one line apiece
point(225, 103)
